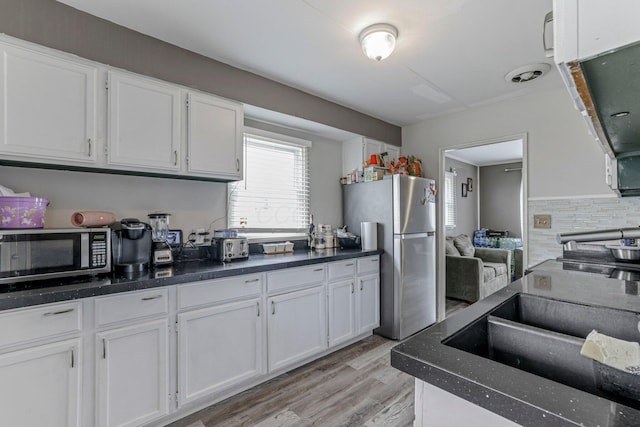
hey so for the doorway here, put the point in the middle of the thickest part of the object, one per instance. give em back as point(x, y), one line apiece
point(498, 162)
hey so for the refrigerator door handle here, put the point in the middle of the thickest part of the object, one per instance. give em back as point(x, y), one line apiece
point(415, 235)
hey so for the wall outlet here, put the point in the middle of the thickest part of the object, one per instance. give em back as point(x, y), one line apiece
point(542, 221)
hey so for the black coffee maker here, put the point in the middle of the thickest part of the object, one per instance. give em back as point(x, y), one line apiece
point(130, 245)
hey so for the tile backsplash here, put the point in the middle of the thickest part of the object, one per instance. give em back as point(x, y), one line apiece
point(576, 214)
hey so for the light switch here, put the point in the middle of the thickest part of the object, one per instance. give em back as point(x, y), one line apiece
point(542, 221)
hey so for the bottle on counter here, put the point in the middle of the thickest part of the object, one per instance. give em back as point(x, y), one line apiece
point(311, 241)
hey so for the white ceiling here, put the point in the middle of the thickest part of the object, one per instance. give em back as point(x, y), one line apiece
point(451, 55)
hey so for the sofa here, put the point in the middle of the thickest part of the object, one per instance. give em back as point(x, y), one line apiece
point(473, 273)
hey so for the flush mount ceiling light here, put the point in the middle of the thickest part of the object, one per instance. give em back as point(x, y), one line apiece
point(527, 73)
point(378, 41)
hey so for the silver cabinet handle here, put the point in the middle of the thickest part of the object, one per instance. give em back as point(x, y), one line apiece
point(374, 260)
point(55, 313)
point(258, 307)
point(361, 284)
point(90, 148)
point(251, 280)
point(73, 358)
point(352, 287)
point(150, 298)
point(237, 165)
point(318, 269)
point(104, 348)
point(348, 265)
point(175, 157)
point(548, 51)
point(273, 307)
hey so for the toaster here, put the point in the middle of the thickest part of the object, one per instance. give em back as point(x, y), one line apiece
point(229, 249)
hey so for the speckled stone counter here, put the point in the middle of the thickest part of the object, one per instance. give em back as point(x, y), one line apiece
point(519, 396)
point(25, 294)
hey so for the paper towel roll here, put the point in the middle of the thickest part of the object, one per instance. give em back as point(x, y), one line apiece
point(369, 235)
point(92, 218)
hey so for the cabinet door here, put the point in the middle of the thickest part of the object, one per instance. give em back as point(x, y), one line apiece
point(296, 326)
point(40, 386)
point(342, 311)
point(368, 303)
point(47, 108)
point(392, 151)
point(218, 347)
point(214, 137)
point(132, 374)
point(369, 147)
point(144, 123)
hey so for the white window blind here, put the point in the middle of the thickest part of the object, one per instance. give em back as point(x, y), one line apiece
point(450, 199)
point(273, 197)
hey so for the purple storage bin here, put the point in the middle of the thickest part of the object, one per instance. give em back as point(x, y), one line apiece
point(22, 212)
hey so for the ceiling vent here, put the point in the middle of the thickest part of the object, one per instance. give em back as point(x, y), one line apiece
point(526, 73)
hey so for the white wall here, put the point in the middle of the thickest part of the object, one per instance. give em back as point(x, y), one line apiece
point(192, 204)
point(563, 159)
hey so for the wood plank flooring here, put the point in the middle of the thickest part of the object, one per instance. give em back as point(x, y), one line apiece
point(355, 386)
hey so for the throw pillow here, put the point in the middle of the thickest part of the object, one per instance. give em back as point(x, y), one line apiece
point(464, 245)
point(450, 247)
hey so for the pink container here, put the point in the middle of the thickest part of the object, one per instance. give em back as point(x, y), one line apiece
point(22, 212)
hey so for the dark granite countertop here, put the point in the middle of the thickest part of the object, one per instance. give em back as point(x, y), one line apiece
point(23, 294)
point(522, 397)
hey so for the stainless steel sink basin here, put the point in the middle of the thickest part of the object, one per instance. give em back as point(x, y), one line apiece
point(544, 336)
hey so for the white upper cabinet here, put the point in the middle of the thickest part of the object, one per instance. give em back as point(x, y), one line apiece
point(359, 150)
point(143, 123)
point(52, 113)
point(47, 108)
point(214, 137)
point(586, 28)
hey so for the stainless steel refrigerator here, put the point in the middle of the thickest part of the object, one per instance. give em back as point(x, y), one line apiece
point(404, 208)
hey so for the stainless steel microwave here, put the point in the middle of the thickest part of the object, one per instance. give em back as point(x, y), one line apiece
point(34, 254)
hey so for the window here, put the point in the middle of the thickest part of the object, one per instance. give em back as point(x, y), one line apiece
point(450, 199)
point(273, 197)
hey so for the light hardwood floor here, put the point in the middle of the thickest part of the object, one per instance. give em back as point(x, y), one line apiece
point(355, 386)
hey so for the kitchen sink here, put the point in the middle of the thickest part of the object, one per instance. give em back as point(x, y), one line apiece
point(543, 336)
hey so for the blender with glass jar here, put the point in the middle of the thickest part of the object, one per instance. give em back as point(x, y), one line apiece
point(161, 251)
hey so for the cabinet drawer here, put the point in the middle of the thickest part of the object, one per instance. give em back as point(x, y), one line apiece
point(131, 305)
point(219, 290)
point(40, 322)
point(368, 265)
point(341, 269)
point(293, 278)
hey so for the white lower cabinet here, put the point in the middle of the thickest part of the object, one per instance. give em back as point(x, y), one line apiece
point(368, 303)
point(342, 311)
point(232, 333)
point(132, 374)
point(296, 326)
point(40, 385)
point(354, 301)
point(218, 347)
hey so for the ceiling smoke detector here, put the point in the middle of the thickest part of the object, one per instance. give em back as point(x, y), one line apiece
point(526, 73)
